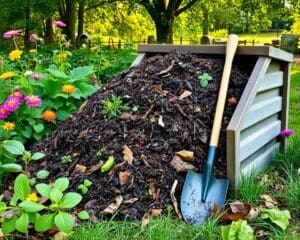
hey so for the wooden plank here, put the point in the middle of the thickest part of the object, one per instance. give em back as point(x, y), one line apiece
point(274, 66)
point(265, 95)
point(263, 51)
point(271, 80)
point(258, 138)
point(248, 95)
point(140, 57)
point(232, 157)
point(262, 110)
point(285, 102)
point(260, 159)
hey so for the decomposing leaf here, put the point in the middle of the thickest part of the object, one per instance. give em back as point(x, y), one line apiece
point(174, 200)
point(160, 121)
point(186, 155)
point(127, 117)
point(156, 212)
point(145, 221)
point(168, 69)
point(180, 165)
point(185, 94)
point(80, 168)
point(113, 207)
point(152, 188)
point(144, 159)
point(269, 202)
point(61, 235)
point(123, 177)
point(130, 201)
point(83, 134)
point(82, 107)
point(197, 109)
point(127, 154)
point(95, 167)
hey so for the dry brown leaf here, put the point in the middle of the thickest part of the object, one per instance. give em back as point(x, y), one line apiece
point(253, 213)
point(83, 134)
point(123, 177)
point(174, 200)
point(127, 154)
point(82, 107)
point(186, 155)
point(160, 121)
point(152, 188)
point(156, 212)
point(95, 167)
point(80, 168)
point(185, 94)
point(130, 201)
point(127, 117)
point(180, 165)
point(168, 69)
point(61, 235)
point(113, 207)
point(237, 210)
point(269, 202)
point(145, 221)
point(144, 159)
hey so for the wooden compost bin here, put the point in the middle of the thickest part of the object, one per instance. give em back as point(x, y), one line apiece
point(262, 111)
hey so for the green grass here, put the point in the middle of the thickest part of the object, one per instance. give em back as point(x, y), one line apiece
point(259, 38)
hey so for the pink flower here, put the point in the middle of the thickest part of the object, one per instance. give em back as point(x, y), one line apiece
point(33, 101)
point(19, 95)
point(36, 76)
point(286, 132)
point(58, 24)
point(3, 112)
point(11, 104)
point(32, 37)
point(11, 33)
point(75, 219)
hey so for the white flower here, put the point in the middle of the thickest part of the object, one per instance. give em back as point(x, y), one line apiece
point(28, 73)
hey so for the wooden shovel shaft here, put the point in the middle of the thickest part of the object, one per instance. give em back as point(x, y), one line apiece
point(230, 52)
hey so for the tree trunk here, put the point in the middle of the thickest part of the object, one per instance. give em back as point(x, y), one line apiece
point(80, 17)
point(164, 33)
point(205, 27)
point(49, 35)
point(27, 25)
point(70, 19)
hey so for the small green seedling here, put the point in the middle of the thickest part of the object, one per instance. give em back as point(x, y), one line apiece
point(85, 186)
point(100, 152)
point(204, 79)
point(66, 159)
point(108, 164)
point(113, 106)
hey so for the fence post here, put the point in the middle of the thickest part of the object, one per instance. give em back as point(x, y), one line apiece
point(119, 44)
point(181, 40)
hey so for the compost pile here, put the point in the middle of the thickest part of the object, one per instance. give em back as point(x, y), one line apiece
point(167, 111)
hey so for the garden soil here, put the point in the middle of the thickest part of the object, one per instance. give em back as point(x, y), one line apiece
point(164, 110)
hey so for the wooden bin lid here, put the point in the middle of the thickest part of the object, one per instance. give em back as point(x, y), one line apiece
point(265, 51)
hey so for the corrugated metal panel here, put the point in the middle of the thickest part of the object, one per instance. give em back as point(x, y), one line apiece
point(271, 80)
point(261, 158)
point(262, 110)
point(266, 95)
point(258, 138)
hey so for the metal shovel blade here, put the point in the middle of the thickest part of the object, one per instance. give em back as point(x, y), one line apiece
point(194, 210)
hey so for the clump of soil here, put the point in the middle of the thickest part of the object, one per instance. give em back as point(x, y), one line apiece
point(168, 111)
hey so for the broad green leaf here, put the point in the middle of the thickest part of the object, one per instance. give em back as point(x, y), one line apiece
point(2, 207)
point(86, 89)
point(21, 187)
point(240, 230)
point(22, 223)
point(64, 222)
point(14, 147)
point(83, 215)
point(62, 114)
point(70, 200)
point(224, 232)
point(55, 195)
point(61, 184)
point(27, 132)
point(38, 128)
point(38, 156)
point(203, 83)
point(81, 73)
point(280, 218)
point(51, 87)
point(42, 174)
point(43, 189)
point(57, 73)
point(44, 222)
point(31, 206)
point(12, 167)
point(9, 225)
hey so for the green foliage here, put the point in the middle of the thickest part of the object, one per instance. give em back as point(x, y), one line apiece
point(108, 164)
point(276, 216)
point(66, 159)
point(238, 230)
point(113, 106)
point(204, 79)
point(85, 186)
point(26, 209)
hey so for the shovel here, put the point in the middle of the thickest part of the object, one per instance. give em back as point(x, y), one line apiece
point(201, 192)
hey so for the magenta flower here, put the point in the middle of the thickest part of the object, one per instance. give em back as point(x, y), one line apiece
point(19, 95)
point(75, 219)
point(11, 104)
point(36, 76)
point(33, 101)
point(11, 33)
point(286, 132)
point(32, 37)
point(3, 112)
point(58, 24)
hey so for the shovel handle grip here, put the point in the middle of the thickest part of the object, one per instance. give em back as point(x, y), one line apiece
point(231, 47)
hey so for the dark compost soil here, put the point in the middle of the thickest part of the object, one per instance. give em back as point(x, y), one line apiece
point(162, 125)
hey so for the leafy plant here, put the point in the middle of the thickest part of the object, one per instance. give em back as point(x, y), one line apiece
point(85, 186)
point(66, 159)
point(24, 207)
point(238, 230)
point(204, 79)
point(276, 216)
point(108, 164)
point(113, 106)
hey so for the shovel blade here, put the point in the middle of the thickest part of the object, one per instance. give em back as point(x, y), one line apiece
point(193, 209)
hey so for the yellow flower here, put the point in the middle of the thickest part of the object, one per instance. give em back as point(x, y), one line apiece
point(32, 51)
point(62, 56)
point(68, 88)
point(15, 54)
point(48, 115)
point(32, 197)
point(9, 126)
point(7, 75)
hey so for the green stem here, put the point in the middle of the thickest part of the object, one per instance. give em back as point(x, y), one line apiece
point(15, 43)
